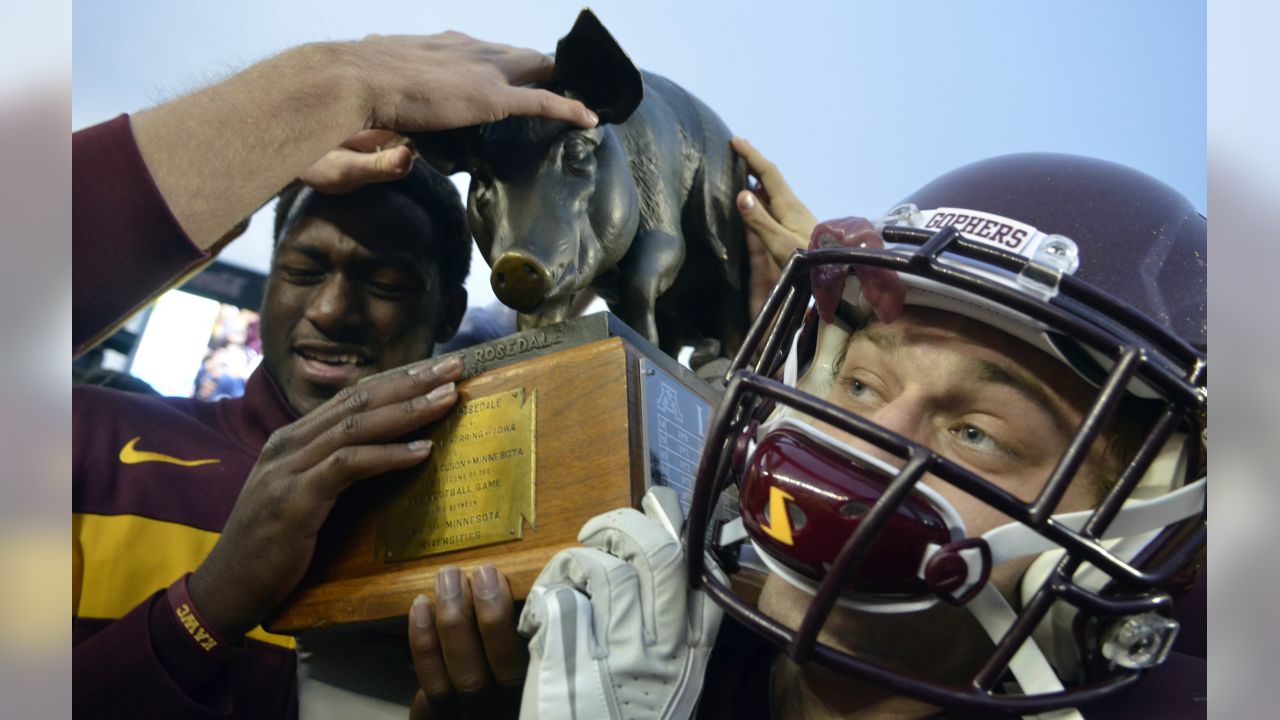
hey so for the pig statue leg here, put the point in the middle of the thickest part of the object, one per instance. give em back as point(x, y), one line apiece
point(648, 271)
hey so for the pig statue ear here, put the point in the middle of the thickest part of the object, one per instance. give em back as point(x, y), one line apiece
point(592, 67)
point(448, 151)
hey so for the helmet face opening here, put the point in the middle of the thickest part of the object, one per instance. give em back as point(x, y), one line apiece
point(849, 511)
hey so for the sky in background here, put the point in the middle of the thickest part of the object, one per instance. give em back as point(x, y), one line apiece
point(859, 103)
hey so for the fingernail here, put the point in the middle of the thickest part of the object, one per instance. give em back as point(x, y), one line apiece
point(440, 392)
point(448, 583)
point(484, 582)
point(747, 201)
point(593, 118)
point(421, 611)
point(449, 365)
point(417, 445)
point(419, 366)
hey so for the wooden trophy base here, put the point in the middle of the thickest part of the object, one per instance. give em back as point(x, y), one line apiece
point(590, 456)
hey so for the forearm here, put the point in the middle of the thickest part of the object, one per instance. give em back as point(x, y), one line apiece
point(126, 244)
point(149, 664)
point(219, 153)
point(138, 662)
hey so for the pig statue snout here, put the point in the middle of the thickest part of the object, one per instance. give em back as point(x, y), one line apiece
point(520, 281)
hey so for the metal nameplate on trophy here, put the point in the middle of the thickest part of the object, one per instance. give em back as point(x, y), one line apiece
point(553, 426)
point(476, 489)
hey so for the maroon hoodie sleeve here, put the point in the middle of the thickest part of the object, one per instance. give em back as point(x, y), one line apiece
point(126, 244)
point(155, 669)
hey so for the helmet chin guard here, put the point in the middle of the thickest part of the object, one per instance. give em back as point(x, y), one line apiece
point(859, 530)
point(802, 491)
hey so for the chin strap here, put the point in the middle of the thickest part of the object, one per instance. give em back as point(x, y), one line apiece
point(1029, 666)
point(960, 569)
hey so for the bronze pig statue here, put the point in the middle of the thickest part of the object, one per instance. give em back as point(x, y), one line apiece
point(639, 209)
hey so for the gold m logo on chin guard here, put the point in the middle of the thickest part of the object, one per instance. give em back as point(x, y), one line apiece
point(779, 525)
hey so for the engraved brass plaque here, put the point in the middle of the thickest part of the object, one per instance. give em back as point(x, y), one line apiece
point(476, 486)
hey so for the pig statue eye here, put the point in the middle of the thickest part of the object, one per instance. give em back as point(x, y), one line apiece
point(578, 154)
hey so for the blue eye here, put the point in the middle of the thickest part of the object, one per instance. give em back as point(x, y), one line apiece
point(859, 391)
point(976, 437)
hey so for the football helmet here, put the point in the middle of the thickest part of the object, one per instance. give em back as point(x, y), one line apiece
point(1097, 265)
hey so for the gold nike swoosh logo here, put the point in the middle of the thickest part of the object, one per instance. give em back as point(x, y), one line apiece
point(129, 455)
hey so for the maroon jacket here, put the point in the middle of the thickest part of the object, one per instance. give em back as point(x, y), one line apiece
point(154, 479)
point(125, 243)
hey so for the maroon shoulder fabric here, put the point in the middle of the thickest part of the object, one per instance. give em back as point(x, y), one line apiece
point(133, 455)
point(229, 432)
point(141, 665)
point(125, 243)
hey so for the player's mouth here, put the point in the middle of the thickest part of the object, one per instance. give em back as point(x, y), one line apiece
point(326, 364)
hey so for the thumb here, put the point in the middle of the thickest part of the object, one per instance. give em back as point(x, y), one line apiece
point(780, 241)
point(662, 505)
point(425, 650)
point(374, 139)
point(380, 166)
point(342, 170)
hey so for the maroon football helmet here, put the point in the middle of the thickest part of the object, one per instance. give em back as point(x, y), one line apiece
point(1095, 264)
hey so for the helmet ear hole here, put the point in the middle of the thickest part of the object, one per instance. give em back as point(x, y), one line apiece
point(795, 515)
point(854, 509)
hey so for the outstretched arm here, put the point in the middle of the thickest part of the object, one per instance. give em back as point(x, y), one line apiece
point(156, 193)
point(219, 153)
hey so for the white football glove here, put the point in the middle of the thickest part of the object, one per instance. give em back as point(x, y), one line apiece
point(615, 631)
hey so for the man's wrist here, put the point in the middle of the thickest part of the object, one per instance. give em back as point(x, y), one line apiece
point(219, 614)
point(338, 71)
point(205, 635)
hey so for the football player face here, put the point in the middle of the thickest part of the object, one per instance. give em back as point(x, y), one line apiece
point(984, 400)
point(345, 300)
